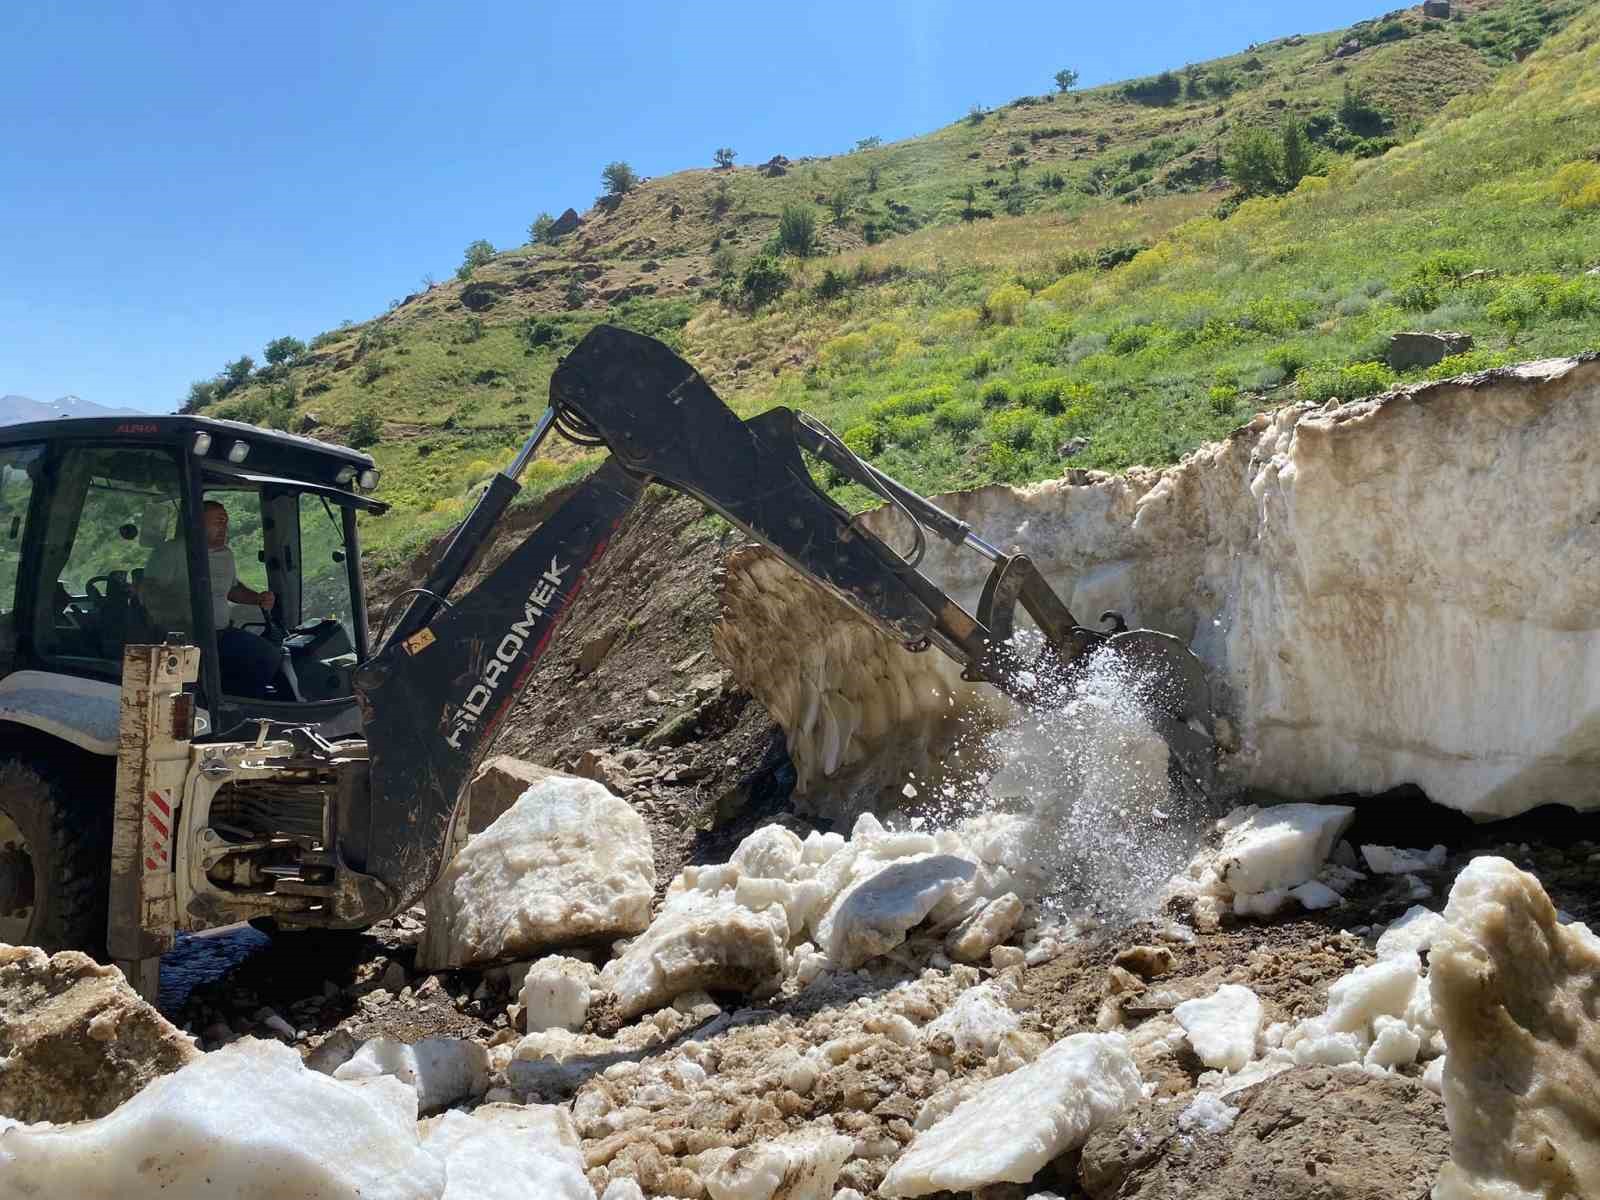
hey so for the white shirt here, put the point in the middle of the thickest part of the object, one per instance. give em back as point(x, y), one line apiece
point(224, 577)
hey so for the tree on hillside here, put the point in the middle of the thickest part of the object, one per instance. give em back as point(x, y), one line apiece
point(201, 393)
point(724, 156)
point(618, 178)
point(283, 350)
point(1066, 79)
point(542, 231)
point(869, 143)
point(477, 254)
point(1263, 163)
point(238, 371)
point(797, 231)
point(1294, 163)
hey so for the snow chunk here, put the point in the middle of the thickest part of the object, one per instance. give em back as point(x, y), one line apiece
point(699, 941)
point(1222, 1028)
point(874, 916)
point(771, 852)
point(246, 1120)
point(1514, 992)
point(1394, 1043)
point(802, 1166)
point(1391, 860)
point(1383, 988)
point(1280, 847)
point(555, 994)
point(980, 933)
point(567, 862)
point(1259, 904)
point(978, 1020)
point(1313, 896)
point(1207, 1113)
point(1411, 934)
point(1012, 1126)
point(500, 1155)
point(440, 1070)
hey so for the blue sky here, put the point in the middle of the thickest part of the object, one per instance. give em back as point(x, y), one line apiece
point(180, 183)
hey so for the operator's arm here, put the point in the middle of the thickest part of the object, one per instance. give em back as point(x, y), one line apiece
point(240, 594)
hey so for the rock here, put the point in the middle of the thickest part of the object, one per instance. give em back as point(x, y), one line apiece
point(480, 295)
point(440, 1070)
point(568, 862)
point(1438, 9)
point(974, 939)
point(1223, 1027)
point(1072, 447)
point(332, 1052)
point(802, 1166)
point(246, 1120)
point(1515, 993)
point(309, 421)
point(1291, 1140)
point(500, 781)
point(394, 978)
point(1347, 48)
point(594, 651)
point(1409, 350)
point(873, 917)
point(566, 223)
point(775, 166)
point(504, 1152)
point(555, 994)
point(1280, 847)
point(1259, 553)
point(1147, 962)
point(1015, 1124)
point(606, 769)
point(75, 1040)
point(699, 941)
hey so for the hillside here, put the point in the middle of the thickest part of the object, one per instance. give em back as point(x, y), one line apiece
point(1059, 280)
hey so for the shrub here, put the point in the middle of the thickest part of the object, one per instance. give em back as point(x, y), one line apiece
point(797, 231)
point(724, 156)
point(366, 428)
point(1327, 381)
point(910, 429)
point(477, 254)
point(1013, 427)
point(1466, 363)
point(975, 115)
point(873, 173)
point(283, 350)
point(979, 365)
point(868, 143)
point(618, 178)
point(995, 394)
point(1577, 186)
point(1005, 303)
point(839, 204)
point(865, 439)
point(763, 281)
point(541, 232)
point(958, 416)
point(724, 262)
point(538, 332)
point(236, 373)
point(201, 394)
point(1163, 89)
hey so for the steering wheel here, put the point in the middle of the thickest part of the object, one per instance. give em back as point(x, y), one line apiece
point(97, 596)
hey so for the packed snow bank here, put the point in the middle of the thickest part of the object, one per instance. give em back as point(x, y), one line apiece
point(1317, 562)
point(1017, 1123)
point(1517, 994)
point(247, 1120)
point(75, 1039)
point(499, 1153)
point(568, 862)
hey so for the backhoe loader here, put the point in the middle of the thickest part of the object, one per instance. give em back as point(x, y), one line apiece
point(144, 792)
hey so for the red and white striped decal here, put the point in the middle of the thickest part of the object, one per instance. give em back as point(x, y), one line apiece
point(158, 814)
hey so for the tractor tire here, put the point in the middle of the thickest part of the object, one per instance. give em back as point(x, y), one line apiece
point(55, 876)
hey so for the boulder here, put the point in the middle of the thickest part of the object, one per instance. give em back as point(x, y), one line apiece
point(700, 941)
point(1317, 562)
point(481, 295)
point(568, 862)
point(566, 223)
point(1012, 1126)
point(75, 1040)
point(1409, 350)
point(1516, 994)
point(1438, 9)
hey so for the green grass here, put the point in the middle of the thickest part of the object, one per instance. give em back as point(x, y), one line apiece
point(960, 351)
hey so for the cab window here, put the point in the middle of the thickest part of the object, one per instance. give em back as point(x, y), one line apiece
point(114, 561)
point(19, 466)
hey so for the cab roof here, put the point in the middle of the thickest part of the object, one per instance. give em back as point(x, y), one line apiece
point(272, 451)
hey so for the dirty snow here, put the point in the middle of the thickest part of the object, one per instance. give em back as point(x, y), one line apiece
point(1207, 1113)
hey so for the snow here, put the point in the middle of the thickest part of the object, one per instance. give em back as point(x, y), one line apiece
point(1223, 1027)
point(699, 941)
point(1313, 895)
point(1394, 1043)
point(440, 1070)
point(1391, 860)
point(1382, 988)
point(567, 862)
point(623, 1189)
point(1260, 904)
point(1411, 934)
point(978, 1020)
point(1012, 1126)
point(771, 852)
point(555, 994)
point(1207, 1113)
point(1280, 847)
point(1514, 993)
point(248, 1120)
point(873, 916)
point(498, 1157)
point(974, 938)
point(801, 1166)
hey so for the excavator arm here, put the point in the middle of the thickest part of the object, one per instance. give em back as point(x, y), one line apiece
point(451, 667)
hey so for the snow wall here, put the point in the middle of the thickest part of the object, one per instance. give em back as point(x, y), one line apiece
point(1398, 590)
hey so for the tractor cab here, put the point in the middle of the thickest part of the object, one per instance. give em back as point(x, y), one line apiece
point(138, 530)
